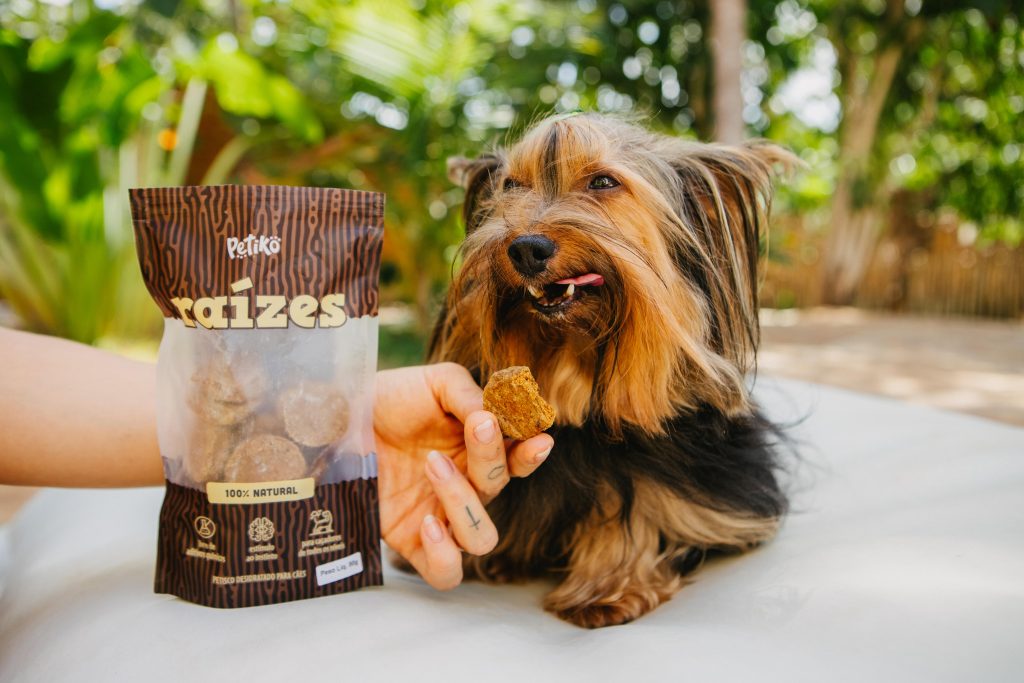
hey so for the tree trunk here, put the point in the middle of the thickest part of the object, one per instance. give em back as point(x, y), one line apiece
point(855, 218)
point(728, 31)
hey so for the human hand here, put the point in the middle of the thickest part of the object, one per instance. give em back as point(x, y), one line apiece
point(441, 458)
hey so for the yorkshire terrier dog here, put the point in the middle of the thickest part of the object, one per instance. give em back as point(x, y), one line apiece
point(620, 265)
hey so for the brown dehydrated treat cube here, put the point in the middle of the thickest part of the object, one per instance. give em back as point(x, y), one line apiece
point(226, 394)
point(209, 449)
point(267, 420)
point(514, 397)
point(265, 458)
point(314, 414)
point(219, 413)
point(238, 381)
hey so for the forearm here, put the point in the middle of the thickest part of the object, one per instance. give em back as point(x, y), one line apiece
point(72, 415)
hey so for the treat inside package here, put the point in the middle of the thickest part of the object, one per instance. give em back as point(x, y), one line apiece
point(265, 388)
point(221, 389)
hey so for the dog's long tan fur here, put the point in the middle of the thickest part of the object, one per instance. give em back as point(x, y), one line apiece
point(674, 330)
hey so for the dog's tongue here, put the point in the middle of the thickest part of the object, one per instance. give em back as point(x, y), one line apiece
point(592, 279)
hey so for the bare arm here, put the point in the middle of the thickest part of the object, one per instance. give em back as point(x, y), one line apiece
point(72, 415)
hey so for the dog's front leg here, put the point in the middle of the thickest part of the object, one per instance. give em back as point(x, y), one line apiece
point(615, 574)
point(623, 566)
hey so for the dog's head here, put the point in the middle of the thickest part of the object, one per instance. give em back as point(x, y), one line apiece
point(619, 264)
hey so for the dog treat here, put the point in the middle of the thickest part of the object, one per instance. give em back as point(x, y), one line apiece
point(226, 393)
point(233, 382)
point(268, 422)
point(514, 397)
point(265, 386)
point(265, 458)
point(314, 414)
point(210, 448)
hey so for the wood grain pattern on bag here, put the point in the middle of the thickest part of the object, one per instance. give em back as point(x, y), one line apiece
point(189, 522)
point(325, 246)
point(264, 389)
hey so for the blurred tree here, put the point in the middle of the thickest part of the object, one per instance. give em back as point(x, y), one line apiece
point(728, 34)
point(900, 45)
point(953, 134)
point(868, 68)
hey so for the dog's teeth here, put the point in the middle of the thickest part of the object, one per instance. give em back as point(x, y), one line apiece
point(536, 293)
point(570, 290)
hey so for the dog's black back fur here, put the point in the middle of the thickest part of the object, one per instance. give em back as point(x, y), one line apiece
point(726, 464)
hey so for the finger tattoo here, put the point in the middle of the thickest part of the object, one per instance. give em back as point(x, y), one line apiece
point(475, 521)
point(496, 472)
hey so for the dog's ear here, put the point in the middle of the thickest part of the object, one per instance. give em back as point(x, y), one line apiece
point(479, 177)
point(725, 199)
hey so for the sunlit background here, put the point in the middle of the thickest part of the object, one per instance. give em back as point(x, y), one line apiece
point(907, 113)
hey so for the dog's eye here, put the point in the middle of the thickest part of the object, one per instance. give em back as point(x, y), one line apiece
point(603, 182)
point(510, 183)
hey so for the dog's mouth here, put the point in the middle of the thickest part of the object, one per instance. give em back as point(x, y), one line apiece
point(561, 294)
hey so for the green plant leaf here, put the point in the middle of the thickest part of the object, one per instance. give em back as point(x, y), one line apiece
point(291, 108)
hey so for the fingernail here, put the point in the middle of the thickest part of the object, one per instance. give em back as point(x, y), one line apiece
point(440, 466)
point(484, 431)
point(432, 528)
point(539, 458)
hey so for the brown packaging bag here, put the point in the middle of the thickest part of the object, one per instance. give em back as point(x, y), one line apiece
point(265, 389)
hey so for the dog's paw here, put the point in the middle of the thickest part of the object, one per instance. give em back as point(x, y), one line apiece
point(489, 569)
point(601, 614)
point(590, 606)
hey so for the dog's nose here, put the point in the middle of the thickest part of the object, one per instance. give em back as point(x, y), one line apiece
point(530, 253)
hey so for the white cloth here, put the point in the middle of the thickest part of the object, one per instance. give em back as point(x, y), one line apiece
point(902, 561)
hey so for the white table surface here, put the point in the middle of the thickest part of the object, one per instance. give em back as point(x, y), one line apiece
point(903, 561)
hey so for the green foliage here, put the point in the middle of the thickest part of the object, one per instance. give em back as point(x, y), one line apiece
point(245, 87)
point(956, 121)
point(376, 95)
point(87, 106)
point(65, 109)
point(400, 347)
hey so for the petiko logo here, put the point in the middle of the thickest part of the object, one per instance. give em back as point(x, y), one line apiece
point(252, 245)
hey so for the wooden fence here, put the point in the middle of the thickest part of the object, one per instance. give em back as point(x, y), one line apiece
point(942, 278)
